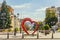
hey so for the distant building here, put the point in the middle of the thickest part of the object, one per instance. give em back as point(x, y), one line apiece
point(56, 10)
point(58, 13)
point(50, 10)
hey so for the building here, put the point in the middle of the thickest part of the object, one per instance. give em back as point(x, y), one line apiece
point(56, 10)
point(58, 15)
point(50, 11)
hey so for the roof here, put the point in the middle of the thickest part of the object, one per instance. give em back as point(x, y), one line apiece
point(10, 9)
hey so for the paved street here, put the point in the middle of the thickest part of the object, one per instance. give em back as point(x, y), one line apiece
point(41, 35)
point(27, 39)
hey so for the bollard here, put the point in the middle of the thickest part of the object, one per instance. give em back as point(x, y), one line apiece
point(37, 34)
point(15, 32)
point(7, 35)
point(22, 35)
point(52, 35)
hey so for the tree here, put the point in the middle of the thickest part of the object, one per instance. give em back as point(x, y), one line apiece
point(5, 15)
point(46, 27)
point(51, 21)
point(51, 18)
point(40, 26)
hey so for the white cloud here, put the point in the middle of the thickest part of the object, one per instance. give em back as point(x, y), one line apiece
point(41, 9)
point(34, 18)
point(24, 16)
point(35, 14)
point(26, 5)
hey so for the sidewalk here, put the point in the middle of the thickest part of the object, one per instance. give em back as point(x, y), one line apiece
point(27, 39)
point(41, 35)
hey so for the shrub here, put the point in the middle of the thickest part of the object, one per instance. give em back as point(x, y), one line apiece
point(17, 29)
point(46, 27)
point(9, 30)
point(58, 30)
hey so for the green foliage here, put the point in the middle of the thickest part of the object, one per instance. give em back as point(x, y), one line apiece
point(9, 30)
point(51, 18)
point(51, 21)
point(40, 26)
point(4, 14)
point(48, 14)
point(46, 27)
point(16, 29)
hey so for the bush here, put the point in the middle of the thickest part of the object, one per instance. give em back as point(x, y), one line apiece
point(58, 30)
point(17, 29)
point(46, 27)
point(42, 28)
point(9, 30)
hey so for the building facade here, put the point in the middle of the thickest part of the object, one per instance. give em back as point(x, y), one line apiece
point(56, 10)
point(50, 11)
point(58, 15)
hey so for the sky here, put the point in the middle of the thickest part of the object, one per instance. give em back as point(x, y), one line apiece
point(34, 9)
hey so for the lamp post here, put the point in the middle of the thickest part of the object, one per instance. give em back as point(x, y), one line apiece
point(14, 25)
point(22, 34)
point(19, 22)
point(18, 19)
point(38, 33)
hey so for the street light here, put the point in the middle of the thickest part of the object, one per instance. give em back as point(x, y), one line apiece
point(19, 21)
point(14, 25)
